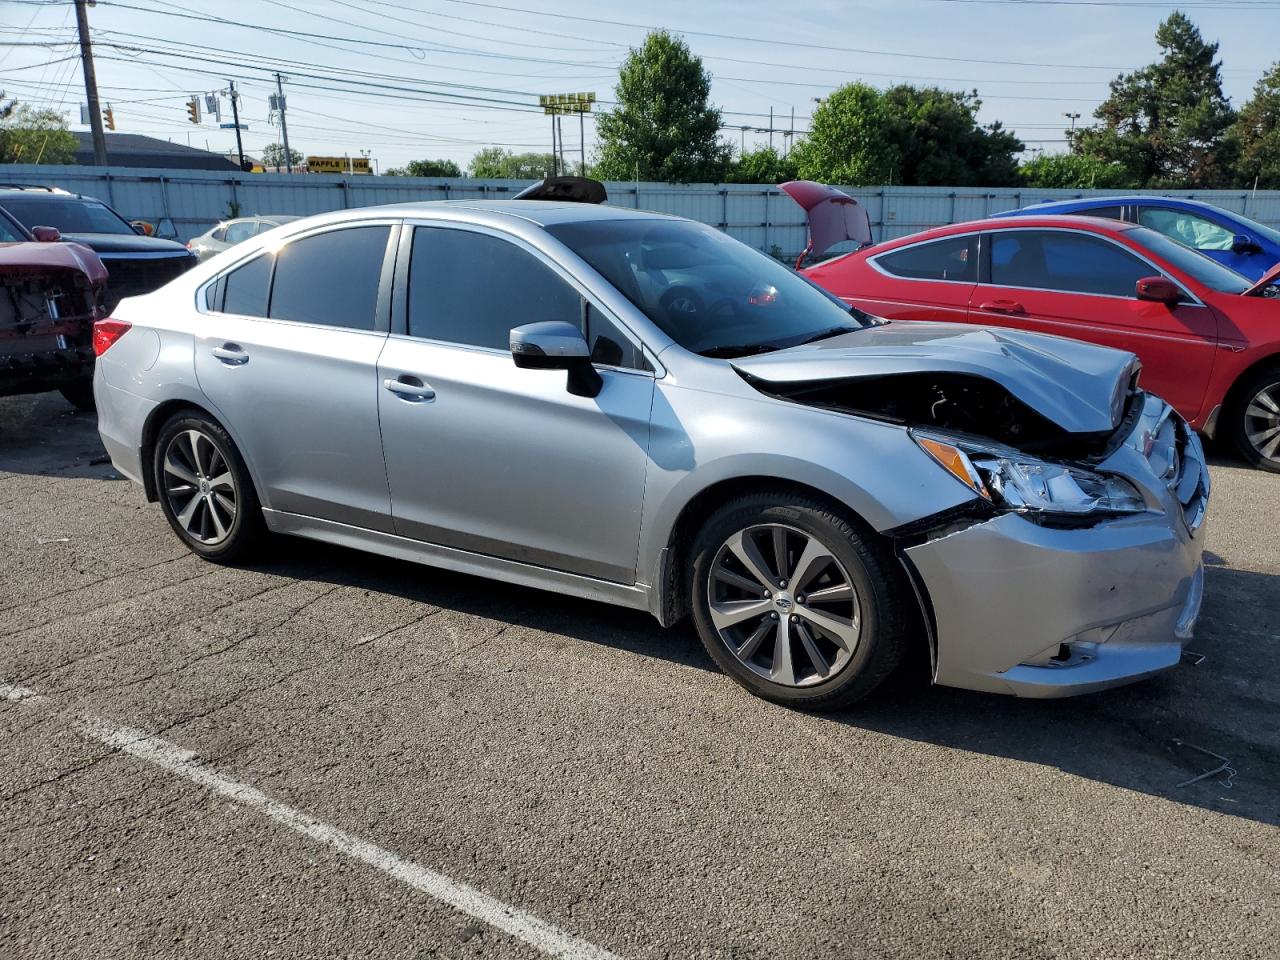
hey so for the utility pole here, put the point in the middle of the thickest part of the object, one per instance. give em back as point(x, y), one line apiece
point(91, 84)
point(771, 128)
point(582, 141)
point(235, 119)
point(284, 127)
point(555, 157)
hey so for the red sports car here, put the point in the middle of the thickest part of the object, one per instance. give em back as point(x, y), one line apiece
point(1208, 339)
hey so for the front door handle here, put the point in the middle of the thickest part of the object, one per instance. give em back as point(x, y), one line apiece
point(410, 388)
point(231, 354)
point(1002, 306)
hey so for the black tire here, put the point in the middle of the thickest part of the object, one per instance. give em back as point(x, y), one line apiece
point(80, 395)
point(1257, 393)
point(246, 531)
point(879, 613)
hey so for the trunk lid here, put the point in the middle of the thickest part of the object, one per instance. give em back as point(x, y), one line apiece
point(833, 216)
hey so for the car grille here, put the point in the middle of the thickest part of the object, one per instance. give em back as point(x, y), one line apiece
point(132, 276)
point(1176, 456)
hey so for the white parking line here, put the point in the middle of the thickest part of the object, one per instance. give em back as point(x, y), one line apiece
point(170, 757)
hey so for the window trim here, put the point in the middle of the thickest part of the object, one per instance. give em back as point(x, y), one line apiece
point(969, 235)
point(985, 274)
point(382, 302)
point(399, 329)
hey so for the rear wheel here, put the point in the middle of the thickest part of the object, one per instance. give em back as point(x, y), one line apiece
point(1254, 419)
point(205, 489)
point(79, 394)
point(796, 603)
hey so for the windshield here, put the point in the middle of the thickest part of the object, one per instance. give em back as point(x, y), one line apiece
point(1196, 265)
point(69, 216)
point(1260, 228)
point(705, 290)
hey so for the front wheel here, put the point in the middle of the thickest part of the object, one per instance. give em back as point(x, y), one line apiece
point(205, 489)
point(795, 602)
point(1254, 419)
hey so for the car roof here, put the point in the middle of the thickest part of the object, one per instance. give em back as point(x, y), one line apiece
point(43, 193)
point(544, 213)
point(1086, 202)
point(1023, 222)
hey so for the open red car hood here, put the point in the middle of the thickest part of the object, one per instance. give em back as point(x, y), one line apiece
point(1272, 276)
point(36, 259)
point(833, 216)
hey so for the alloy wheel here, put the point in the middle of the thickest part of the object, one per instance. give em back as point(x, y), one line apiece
point(199, 487)
point(1262, 421)
point(784, 605)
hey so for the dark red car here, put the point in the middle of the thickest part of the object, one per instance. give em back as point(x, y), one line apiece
point(1208, 339)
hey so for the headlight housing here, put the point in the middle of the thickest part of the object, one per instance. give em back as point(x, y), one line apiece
point(1015, 481)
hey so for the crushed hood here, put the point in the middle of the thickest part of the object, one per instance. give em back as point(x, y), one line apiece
point(1079, 387)
point(833, 216)
point(1268, 278)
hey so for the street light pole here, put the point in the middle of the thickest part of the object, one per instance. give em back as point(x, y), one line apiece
point(284, 126)
point(235, 119)
point(91, 84)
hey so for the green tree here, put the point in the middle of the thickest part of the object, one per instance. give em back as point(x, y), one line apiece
point(764, 165)
point(1074, 171)
point(921, 136)
point(494, 163)
point(28, 135)
point(1256, 134)
point(273, 156)
point(663, 127)
point(425, 168)
point(1166, 123)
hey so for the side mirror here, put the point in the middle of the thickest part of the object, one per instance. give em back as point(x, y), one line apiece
point(1243, 243)
point(1159, 289)
point(46, 234)
point(557, 345)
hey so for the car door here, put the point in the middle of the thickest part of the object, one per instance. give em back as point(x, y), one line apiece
point(1200, 232)
point(1082, 285)
point(924, 281)
point(487, 457)
point(288, 354)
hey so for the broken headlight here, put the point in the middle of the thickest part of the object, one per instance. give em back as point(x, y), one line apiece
point(1024, 484)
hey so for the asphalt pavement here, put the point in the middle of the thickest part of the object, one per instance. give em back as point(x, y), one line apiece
point(328, 754)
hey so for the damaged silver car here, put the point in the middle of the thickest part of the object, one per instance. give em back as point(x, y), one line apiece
point(639, 409)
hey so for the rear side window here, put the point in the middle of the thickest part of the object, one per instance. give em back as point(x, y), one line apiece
point(954, 258)
point(1066, 262)
point(331, 278)
point(245, 289)
point(240, 231)
point(472, 288)
point(1107, 213)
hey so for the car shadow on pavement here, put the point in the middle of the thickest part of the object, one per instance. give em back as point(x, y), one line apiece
point(43, 435)
point(1143, 737)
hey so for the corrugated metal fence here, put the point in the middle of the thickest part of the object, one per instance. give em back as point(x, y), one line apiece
point(187, 202)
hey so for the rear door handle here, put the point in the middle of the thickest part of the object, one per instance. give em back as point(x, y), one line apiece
point(231, 354)
point(409, 388)
point(1002, 306)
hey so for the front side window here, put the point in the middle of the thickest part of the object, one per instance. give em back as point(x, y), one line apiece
point(1066, 262)
point(706, 291)
point(1196, 265)
point(245, 289)
point(330, 278)
point(951, 259)
point(1189, 229)
point(67, 215)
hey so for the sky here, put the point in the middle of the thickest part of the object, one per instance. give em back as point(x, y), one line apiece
point(399, 80)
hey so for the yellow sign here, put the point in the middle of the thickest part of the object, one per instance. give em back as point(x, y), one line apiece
point(566, 102)
point(338, 165)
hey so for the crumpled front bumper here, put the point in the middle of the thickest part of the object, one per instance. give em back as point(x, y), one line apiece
point(1039, 611)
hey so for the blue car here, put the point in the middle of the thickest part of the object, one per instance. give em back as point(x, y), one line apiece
point(1244, 245)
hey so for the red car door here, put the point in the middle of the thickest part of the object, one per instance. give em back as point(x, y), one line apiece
point(924, 281)
point(1082, 285)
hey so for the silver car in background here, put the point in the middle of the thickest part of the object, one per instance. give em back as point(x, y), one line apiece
point(504, 388)
point(228, 233)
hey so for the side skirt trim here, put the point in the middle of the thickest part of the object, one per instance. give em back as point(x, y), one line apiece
point(635, 596)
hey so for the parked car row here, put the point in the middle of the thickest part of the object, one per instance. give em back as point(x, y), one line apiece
point(639, 409)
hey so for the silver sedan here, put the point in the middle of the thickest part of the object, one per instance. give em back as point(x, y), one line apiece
point(228, 233)
point(641, 410)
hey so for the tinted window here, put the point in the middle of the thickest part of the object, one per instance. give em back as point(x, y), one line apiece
point(705, 290)
point(240, 231)
point(609, 345)
point(1070, 262)
point(331, 278)
point(950, 259)
point(1189, 229)
point(68, 215)
point(1199, 267)
point(246, 288)
point(8, 234)
point(472, 288)
point(1109, 213)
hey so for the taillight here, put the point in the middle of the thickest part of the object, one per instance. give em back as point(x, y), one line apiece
point(107, 332)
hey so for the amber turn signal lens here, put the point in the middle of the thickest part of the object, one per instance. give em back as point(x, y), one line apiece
point(956, 463)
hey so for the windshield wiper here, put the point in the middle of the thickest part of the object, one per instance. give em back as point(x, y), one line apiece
point(732, 350)
point(825, 334)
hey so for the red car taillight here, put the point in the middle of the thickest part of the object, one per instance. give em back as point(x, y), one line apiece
point(107, 332)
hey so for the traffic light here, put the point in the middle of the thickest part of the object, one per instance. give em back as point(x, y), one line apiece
point(109, 118)
point(193, 109)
